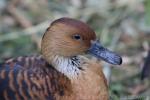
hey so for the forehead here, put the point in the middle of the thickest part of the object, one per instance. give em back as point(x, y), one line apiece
point(76, 27)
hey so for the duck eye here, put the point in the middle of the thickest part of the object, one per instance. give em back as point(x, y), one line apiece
point(76, 37)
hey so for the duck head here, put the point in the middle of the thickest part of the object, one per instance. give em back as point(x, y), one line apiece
point(69, 37)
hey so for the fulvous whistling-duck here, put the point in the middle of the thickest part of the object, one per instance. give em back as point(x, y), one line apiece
point(62, 72)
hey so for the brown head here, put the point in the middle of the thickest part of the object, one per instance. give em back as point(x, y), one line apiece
point(69, 37)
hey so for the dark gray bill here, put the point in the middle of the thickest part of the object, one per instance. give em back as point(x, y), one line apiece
point(103, 53)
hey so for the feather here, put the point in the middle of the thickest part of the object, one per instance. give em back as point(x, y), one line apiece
point(32, 78)
point(146, 67)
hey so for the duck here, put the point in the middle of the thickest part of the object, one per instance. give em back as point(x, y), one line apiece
point(146, 67)
point(63, 70)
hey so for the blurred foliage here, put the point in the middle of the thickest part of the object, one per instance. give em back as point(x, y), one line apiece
point(122, 25)
point(147, 10)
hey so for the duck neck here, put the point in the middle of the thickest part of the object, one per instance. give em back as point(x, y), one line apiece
point(69, 66)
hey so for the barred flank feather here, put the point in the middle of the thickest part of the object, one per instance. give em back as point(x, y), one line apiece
point(31, 78)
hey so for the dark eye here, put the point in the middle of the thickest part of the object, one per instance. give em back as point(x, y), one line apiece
point(76, 37)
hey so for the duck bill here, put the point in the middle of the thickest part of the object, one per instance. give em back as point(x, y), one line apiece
point(100, 52)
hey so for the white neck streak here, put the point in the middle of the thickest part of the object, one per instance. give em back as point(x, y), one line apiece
point(68, 66)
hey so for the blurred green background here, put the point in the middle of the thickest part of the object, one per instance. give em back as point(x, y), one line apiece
point(121, 25)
